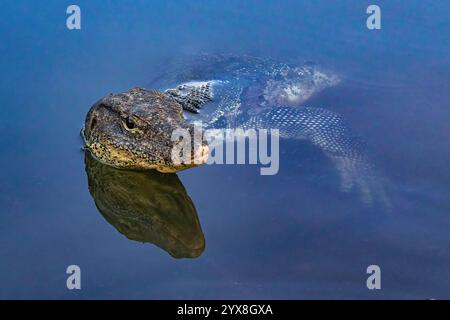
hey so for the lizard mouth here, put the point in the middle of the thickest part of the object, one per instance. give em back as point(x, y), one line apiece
point(199, 157)
point(202, 154)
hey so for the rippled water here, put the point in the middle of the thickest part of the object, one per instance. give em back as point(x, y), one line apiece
point(291, 235)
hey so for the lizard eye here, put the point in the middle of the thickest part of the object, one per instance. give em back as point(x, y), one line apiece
point(129, 124)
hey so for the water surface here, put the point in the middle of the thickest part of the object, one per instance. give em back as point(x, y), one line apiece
point(292, 235)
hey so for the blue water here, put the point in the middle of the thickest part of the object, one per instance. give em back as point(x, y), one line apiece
point(292, 235)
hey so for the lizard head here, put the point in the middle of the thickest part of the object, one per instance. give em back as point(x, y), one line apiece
point(134, 130)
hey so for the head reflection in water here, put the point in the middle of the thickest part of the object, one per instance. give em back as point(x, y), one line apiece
point(147, 207)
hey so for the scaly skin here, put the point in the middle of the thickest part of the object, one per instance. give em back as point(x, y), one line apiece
point(133, 130)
